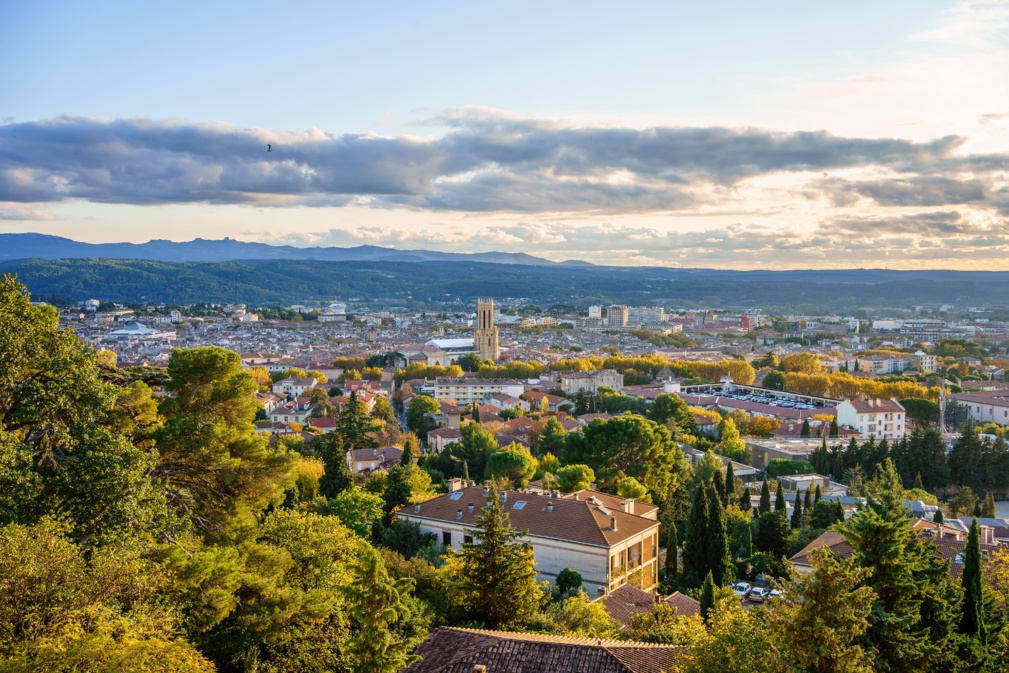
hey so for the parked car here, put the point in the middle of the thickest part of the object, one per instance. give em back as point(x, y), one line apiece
point(742, 589)
point(774, 593)
point(758, 594)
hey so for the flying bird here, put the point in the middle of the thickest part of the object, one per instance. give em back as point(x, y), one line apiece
point(269, 148)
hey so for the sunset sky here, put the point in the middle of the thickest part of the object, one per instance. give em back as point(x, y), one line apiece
point(732, 134)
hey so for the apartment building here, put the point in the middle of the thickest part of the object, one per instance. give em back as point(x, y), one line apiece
point(616, 316)
point(589, 382)
point(610, 541)
point(986, 407)
point(468, 391)
point(877, 419)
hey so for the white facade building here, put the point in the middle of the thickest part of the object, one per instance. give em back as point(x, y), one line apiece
point(878, 419)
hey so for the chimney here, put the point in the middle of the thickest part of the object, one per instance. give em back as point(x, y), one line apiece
point(613, 523)
point(416, 509)
point(627, 506)
point(479, 668)
point(458, 513)
point(550, 506)
point(601, 591)
point(469, 507)
point(504, 497)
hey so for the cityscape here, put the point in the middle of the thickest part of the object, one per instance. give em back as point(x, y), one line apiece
point(504, 339)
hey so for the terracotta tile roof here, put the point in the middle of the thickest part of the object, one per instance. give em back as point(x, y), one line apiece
point(586, 521)
point(685, 605)
point(451, 650)
point(876, 406)
point(628, 600)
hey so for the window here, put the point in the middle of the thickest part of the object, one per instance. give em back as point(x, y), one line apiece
point(468, 539)
point(446, 538)
point(455, 496)
point(519, 505)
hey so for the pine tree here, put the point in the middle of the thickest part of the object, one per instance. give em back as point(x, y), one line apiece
point(730, 484)
point(745, 499)
point(694, 542)
point(356, 426)
point(972, 612)
point(779, 500)
point(495, 575)
point(375, 604)
point(797, 513)
point(938, 518)
point(707, 596)
point(765, 498)
point(397, 491)
point(671, 552)
point(988, 510)
point(337, 477)
point(719, 561)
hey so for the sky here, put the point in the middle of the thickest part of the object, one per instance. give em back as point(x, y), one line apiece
point(730, 134)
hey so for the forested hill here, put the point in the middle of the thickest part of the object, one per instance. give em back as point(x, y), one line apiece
point(258, 282)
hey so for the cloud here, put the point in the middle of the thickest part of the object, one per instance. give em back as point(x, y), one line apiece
point(19, 212)
point(485, 161)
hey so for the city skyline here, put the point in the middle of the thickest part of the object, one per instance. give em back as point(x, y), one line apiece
point(737, 137)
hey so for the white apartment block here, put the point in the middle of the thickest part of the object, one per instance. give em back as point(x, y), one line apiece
point(990, 407)
point(877, 419)
point(608, 540)
point(468, 391)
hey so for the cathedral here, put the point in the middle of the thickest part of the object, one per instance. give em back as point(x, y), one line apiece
point(485, 334)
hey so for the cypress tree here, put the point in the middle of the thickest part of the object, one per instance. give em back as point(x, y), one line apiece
point(797, 513)
point(476, 413)
point(938, 518)
point(765, 498)
point(989, 506)
point(745, 499)
point(707, 596)
point(745, 550)
point(817, 495)
point(977, 510)
point(779, 500)
point(337, 477)
point(917, 482)
point(730, 484)
point(834, 430)
point(839, 509)
point(694, 542)
point(972, 615)
point(465, 470)
point(805, 431)
point(838, 470)
point(397, 492)
point(671, 561)
point(807, 502)
point(719, 561)
point(718, 484)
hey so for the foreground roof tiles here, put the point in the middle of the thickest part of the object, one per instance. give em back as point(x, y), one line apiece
point(451, 650)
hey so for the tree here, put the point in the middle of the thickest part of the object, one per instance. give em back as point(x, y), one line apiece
point(719, 560)
point(730, 484)
point(834, 430)
point(774, 381)
point(355, 426)
point(578, 616)
point(937, 517)
point(568, 580)
point(964, 502)
point(376, 603)
point(745, 499)
point(470, 362)
point(337, 476)
point(797, 513)
point(779, 499)
point(417, 414)
point(912, 623)
point(707, 596)
point(671, 551)
point(571, 478)
point(695, 548)
point(513, 464)
point(398, 491)
point(551, 438)
point(666, 407)
point(494, 577)
point(357, 509)
point(804, 431)
point(817, 623)
point(765, 498)
point(988, 509)
point(730, 444)
point(629, 487)
point(972, 611)
point(772, 533)
point(211, 463)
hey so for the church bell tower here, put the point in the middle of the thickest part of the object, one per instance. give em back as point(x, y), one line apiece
point(485, 334)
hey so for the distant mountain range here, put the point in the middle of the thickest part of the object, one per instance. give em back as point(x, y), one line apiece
point(42, 246)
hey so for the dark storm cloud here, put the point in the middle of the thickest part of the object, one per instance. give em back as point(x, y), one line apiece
point(485, 161)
